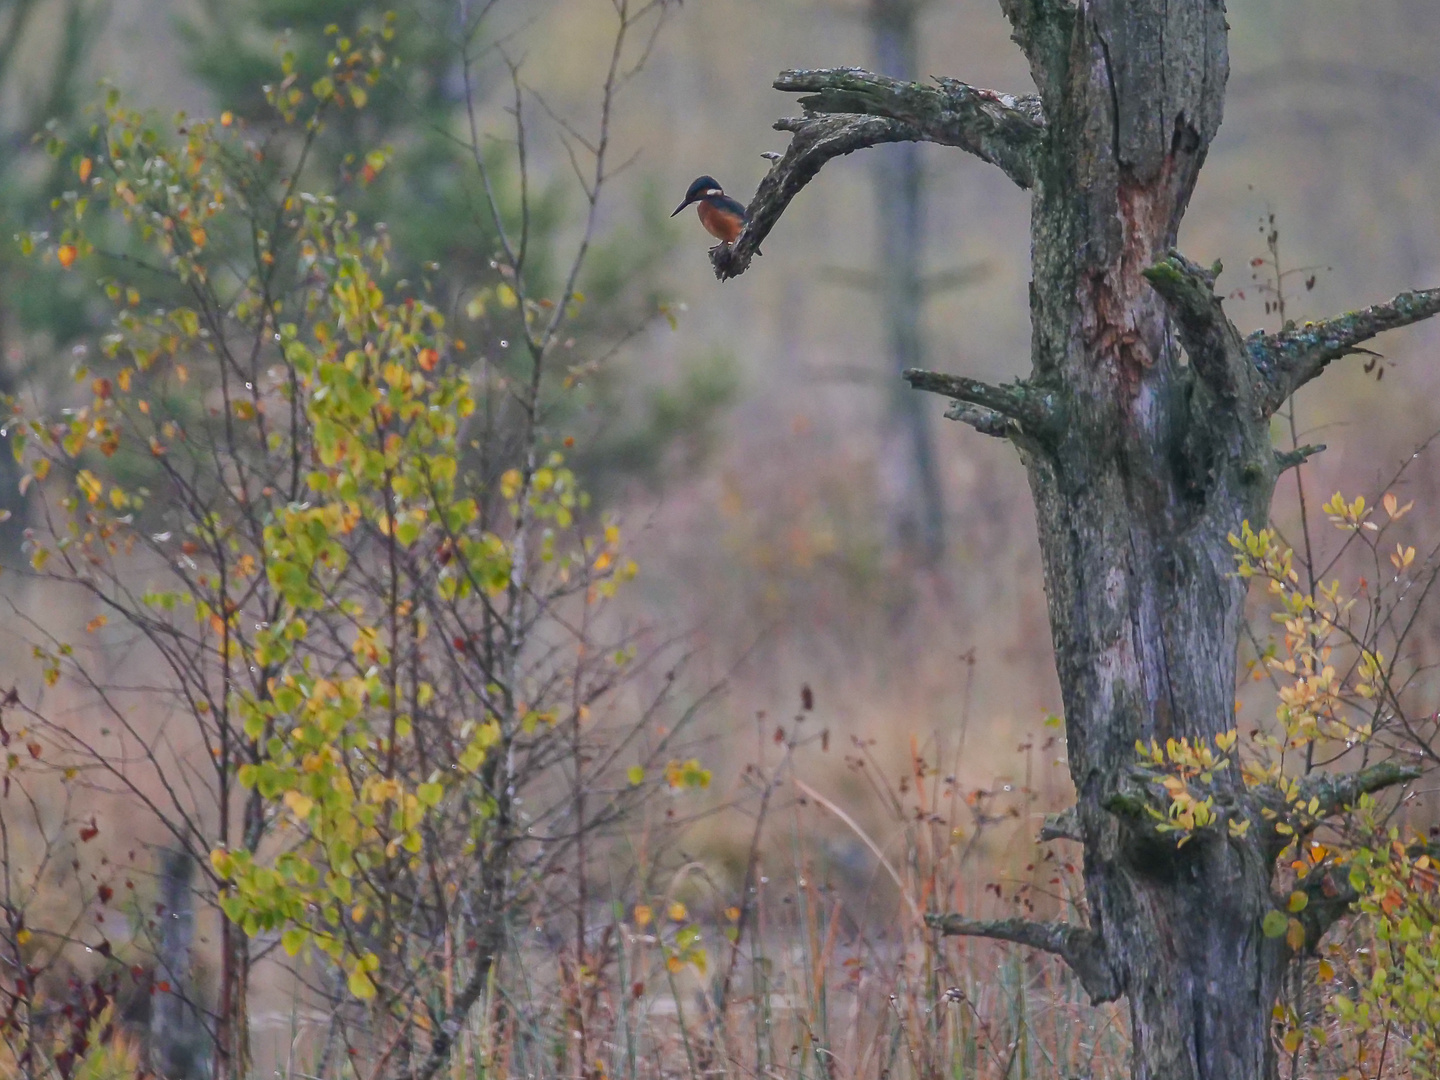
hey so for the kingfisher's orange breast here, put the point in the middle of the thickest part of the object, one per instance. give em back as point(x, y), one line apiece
point(719, 223)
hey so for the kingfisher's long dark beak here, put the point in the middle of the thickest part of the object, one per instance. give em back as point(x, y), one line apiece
point(682, 206)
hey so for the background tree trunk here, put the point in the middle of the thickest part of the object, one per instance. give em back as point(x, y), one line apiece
point(179, 1043)
point(908, 450)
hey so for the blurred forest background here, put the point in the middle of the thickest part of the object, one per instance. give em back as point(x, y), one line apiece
point(752, 441)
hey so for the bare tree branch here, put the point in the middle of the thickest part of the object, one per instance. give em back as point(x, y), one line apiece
point(1078, 946)
point(848, 109)
point(815, 142)
point(1338, 791)
point(1062, 826)
point(1002, 129)
point(985, 421)
point(1019, 402)
point(1214, 345)
point(1289, 459)
point(1297, 354)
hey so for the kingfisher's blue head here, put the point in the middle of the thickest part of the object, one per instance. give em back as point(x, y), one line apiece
point(703, 188)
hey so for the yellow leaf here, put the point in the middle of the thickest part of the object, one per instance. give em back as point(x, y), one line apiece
point(506, 295)
point(89, 484)
point(677, 911)
point(300, 805)
point(226, 119)
point(361, 986)
point(510, 483)
point(22, 936)
point(1291, 1041)
point(643, 915)
point(1326, 970)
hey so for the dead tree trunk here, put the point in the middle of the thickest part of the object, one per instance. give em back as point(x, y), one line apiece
point(1144, 426)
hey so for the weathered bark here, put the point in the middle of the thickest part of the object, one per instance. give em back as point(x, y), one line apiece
point(1135, 501)
point(1144, 427)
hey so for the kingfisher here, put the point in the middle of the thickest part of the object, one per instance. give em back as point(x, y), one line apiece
point(722, 216)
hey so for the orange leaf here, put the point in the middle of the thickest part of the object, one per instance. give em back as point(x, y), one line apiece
point(66, 255)
point(428, 359)
point(85, 166)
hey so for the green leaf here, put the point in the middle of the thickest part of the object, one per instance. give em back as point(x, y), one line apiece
point(1274, 924)
point(291, 940)
point(1297, 901)
point(1294, 934)
point(636, 775)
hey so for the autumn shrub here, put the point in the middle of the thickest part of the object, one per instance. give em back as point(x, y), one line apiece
point(383, 708)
